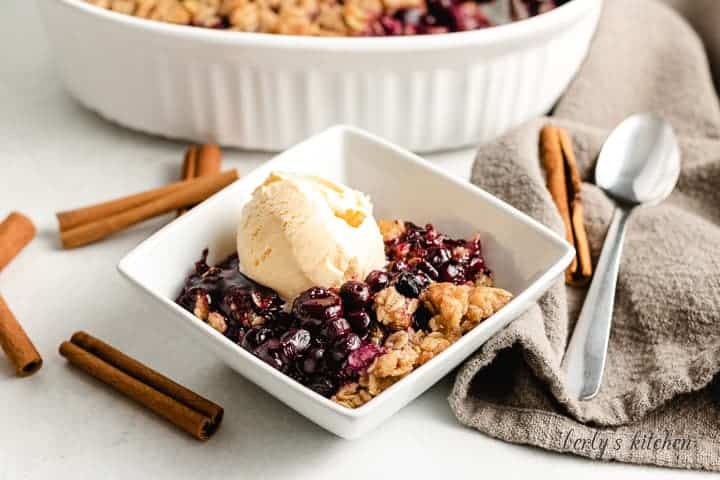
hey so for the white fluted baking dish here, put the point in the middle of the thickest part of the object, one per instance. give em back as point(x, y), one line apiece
point(266, 92)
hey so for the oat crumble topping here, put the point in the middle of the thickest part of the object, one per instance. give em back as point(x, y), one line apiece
point(334, 17)
point(393, 310)
point(202, 306)
point(482, 303)
point(458, 308)
point(391, 229)
point(217, 321)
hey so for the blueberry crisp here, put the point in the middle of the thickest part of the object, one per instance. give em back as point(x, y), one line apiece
point(335, 17)
point(351, 343)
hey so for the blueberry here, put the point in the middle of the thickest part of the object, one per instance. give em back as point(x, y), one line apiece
point(452, 272)
point(255, 336)
point(361, 358)
point(425, 267)
point(233, 331)
point(237, 304)
point(421, 319)
point(342, 347)
point(294, 342)
point(313, 361)
point(441, 13)
point(468, 16)
point(269, 352)
point(398, 266)
point(391, 26)
point(316, 306)
point(408, 285)
point(279, 322)
point(335, 329)
point(411, 17)
point(295, 372)
point(359, 321)
point(413, 232)
point(323, 386)
point(439, 256)
point(476, 265)
point(355, 295)
point(377, 280)
point(265, 299)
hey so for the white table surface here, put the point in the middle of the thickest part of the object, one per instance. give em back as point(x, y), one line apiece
point(60, 423)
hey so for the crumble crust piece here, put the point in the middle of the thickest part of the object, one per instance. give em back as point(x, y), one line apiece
point(391, 229)
point(459, 308)
point(217, 321)
point(456, 308)
point(394, 310)
point(399, 360)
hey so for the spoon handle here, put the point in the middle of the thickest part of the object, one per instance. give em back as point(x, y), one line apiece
point(584, 360)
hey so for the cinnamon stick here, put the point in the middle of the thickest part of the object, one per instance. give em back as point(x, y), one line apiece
point(583, 272)
point(189, 411)
point(146, 375)
point(81, 216)
point(16, 231)
point(189, 163)
point(556, 181)
point(564, 184)
point(200, 160)
point(16, 344)
point(189, 193)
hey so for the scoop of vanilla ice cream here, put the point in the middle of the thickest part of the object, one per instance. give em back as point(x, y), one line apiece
point(300, 231)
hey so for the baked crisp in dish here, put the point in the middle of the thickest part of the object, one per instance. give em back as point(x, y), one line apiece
point(351, 343)
point(342, 303)
point(335, 17)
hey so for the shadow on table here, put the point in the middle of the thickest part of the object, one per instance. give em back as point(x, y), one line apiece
point(267, 432)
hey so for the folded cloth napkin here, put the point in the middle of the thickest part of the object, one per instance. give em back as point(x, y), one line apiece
point(655, 405)
point(704, 17)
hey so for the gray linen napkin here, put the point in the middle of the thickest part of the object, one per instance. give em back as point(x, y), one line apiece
point(655, 406)
point(704, 15)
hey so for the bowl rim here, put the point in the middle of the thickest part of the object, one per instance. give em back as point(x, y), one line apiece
point(514, 308)
point(507, 33)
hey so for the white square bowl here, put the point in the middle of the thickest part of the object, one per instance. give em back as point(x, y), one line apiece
point(525, 256)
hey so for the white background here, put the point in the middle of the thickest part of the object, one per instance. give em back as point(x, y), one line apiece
point(62, 424)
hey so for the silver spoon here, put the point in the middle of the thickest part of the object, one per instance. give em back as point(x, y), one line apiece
point(639, 164)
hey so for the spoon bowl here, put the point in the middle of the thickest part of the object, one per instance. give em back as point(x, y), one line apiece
point(640, 161)
point(639, 164)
